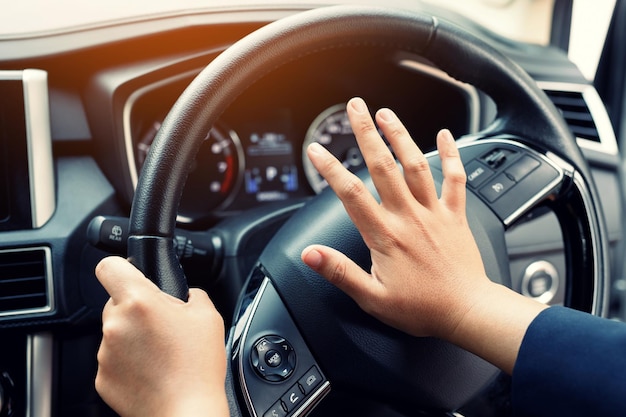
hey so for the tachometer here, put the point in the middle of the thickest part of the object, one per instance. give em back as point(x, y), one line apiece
point(213, 177)
point(332, 130)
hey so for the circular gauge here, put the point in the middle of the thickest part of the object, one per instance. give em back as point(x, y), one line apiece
point(213, 176)
point(332, 130)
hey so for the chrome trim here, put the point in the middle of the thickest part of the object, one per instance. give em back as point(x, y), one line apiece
point(249, 314)
point(40, 161)
point(49, 285)
point(39, 359)
point(470, 92)
point(38, 142)
point(126, 112)
point(608, 141)
point(320, 393)
point(548, 269)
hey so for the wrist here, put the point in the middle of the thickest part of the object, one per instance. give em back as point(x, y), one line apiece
point(495, 323)
point(211, 405)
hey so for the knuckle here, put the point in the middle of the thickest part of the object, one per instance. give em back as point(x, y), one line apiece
point(111, 331)
point(416, 165)
point(383, 165)
point(328, 165)
point(212, 316)
point(353, 189)
point(100, 357)
point(136, 301)
point(337, 273)
point(395, 132)
point(99, 384)
point(457, 177)
point(365, 126)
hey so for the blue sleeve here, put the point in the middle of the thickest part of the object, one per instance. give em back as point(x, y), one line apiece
point(570, 364)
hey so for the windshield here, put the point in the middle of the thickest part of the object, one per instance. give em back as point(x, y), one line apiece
point(523, 20)
point(528, 20)
point(31, 17)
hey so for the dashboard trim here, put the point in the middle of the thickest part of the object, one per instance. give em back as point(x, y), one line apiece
point(50, 304)
point(40, 165)
point(39, 357)
point(36, 112)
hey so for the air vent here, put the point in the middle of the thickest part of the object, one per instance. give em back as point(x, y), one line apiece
point(25, 281)
point(576, 113)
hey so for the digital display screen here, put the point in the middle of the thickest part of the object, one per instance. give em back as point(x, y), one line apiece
point(271, 174)
point(272, 168)
point(15, 209)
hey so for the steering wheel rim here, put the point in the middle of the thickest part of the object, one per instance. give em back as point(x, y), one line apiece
point(530, 117)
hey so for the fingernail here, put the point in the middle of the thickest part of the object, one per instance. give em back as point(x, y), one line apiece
point(358, 105)
point(386, 115)
point(315, 148)
point(446, 135)
point(312, 258)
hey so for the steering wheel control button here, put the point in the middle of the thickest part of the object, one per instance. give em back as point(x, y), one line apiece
point(496, 188)
point(540, 281)
point(273, 358)
point(497, 158)
point(292, 398)
point(276, 410)
point(310, 380)
point(522, 168)
point(477, 174)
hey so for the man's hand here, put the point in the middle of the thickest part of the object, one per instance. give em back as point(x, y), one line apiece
point(427, 276)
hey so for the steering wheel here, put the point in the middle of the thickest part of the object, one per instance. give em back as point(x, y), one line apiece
point(295, 335)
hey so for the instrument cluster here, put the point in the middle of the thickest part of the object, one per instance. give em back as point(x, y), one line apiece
point(256, 153)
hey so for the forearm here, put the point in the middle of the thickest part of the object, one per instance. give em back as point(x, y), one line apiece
point(494, 327)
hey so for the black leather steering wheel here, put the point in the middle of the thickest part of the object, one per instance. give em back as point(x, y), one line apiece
point(327, 338)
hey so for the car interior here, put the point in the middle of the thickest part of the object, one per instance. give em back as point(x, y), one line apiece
point(175, 134)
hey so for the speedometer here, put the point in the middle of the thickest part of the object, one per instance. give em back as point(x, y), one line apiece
point(332, 130)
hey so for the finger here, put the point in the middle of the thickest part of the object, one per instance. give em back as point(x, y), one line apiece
point(340, 271)
point(379, 160)
point(119, 277)
point(454, 176)
point(199, 298)
point(198, 295)
point(415, 165)
point(360, 204)
point(200, 302)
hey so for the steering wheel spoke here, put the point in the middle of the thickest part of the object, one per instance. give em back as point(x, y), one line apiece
point(277, 374)
point(509, 177)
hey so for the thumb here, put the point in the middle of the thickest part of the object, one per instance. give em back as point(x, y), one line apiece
point(340, 271)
